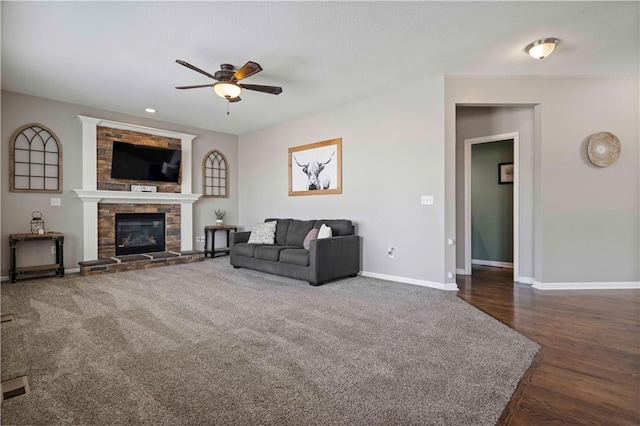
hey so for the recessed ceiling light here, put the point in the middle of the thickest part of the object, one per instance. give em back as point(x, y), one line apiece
point(150, 110)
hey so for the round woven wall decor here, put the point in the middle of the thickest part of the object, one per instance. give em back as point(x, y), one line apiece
point(603, 149)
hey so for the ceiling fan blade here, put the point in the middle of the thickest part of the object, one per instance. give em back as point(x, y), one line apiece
point(274, 90)
point(247, 70)
point(195, 87)
point(236, 99)
point(196, 69)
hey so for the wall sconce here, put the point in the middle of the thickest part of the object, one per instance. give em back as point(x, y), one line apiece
point(542, 48)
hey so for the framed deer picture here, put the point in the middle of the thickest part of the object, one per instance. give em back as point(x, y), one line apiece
point(316, 169)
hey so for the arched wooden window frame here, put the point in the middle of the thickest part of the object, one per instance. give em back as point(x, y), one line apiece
point(210, 182)
point(26, 160)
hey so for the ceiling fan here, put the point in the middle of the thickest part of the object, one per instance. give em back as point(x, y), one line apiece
point(227, 86)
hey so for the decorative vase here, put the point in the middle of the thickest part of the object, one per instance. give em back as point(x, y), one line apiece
point(219, 221)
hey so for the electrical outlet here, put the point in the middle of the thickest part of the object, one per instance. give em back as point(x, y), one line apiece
point(390, 252)
point(56, 202)
point(53, 249)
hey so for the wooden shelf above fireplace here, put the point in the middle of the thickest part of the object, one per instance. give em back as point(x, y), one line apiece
point(101, 196)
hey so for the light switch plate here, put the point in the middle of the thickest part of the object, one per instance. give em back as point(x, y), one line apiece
point(56, 202)
point(426, 200)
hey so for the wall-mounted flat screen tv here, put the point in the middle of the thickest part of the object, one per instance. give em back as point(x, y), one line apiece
point(139, 162)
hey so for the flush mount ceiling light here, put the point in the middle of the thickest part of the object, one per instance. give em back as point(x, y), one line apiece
point(542, 48)
point(150, 110)
point(227, 89)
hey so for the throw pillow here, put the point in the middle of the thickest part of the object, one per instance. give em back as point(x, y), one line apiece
point(312, 235)
point(263, 233)
point(325, 232)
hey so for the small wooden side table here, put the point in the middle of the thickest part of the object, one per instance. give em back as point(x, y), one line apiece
point(212, 230)
point(58, 267)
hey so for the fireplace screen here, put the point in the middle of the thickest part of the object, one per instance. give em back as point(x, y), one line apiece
point(139, 233)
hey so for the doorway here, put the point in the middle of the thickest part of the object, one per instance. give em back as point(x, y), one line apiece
point(468, 188)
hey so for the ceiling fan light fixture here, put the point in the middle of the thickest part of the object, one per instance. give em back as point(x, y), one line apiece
point(542, 48)
point(227, 90)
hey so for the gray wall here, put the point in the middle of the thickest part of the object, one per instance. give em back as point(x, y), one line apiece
point(479, 121)
point(586, 218)
point(393, 152)
point(397, 147)
point(61, 118)
point(491, 203)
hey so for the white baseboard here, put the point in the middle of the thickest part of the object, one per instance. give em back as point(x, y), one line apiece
point(423, 283)
point(526, 280)
point(588, 286)
point(492, 263)
point(460, 272)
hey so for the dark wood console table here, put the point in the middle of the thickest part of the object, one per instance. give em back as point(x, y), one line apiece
point(212, 230)
point(58, 267)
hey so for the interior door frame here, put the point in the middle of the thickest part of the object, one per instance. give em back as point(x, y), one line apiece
point(468, 143)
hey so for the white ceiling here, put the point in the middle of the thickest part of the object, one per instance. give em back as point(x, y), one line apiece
point(120, 56)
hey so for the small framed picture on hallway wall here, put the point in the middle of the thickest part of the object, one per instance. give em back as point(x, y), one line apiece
point(505, 173)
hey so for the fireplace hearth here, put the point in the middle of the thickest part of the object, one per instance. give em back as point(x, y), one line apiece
point(140, 233)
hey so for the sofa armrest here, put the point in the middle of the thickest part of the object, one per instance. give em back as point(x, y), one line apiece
point(335, 257)
point(239, 237)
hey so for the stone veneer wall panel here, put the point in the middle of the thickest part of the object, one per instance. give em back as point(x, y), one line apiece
point(106, 137)
point(107, 224)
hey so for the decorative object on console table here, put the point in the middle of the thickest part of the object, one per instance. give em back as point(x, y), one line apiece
point(36, 223)
point(58, 267)
point(220, 214)
point(212, 230)
point(316, 169)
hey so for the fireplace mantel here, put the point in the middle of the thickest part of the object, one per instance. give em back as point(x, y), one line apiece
point(126, 197)
point(90, 196)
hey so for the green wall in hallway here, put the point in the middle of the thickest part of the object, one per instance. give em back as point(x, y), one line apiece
point(491, 203)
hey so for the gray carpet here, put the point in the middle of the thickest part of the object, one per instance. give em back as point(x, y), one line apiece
point(204, 343)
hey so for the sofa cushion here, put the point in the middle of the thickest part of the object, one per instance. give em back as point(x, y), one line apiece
point(263, 233)
point(339, 227)
point(270, 252)
point(281, 230)
point(298, 229)
point(245, 249)
point(324, 232)
point(312, 235)
point(297, 256)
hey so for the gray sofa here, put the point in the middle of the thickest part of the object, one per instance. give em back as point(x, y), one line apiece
point(326, 259)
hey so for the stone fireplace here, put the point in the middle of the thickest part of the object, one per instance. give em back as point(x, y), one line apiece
point(108, 214)
point(139, 233)
point(102, 199)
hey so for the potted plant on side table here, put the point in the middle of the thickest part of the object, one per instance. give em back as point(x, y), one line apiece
point(220, 214)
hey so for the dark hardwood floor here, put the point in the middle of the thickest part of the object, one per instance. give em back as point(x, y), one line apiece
point(588, 370)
